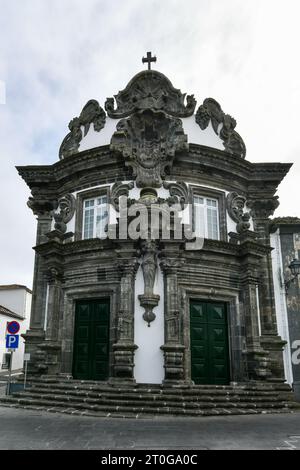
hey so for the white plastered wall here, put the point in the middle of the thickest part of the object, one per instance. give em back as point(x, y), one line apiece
point(20, 299)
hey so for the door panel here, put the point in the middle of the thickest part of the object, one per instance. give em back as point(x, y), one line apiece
point(91, 340)
point(209, 343)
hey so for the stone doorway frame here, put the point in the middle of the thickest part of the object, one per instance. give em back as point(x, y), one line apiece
point(68, 322)
point(237, 372)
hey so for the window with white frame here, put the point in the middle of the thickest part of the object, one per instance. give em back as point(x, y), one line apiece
point(206, 217)
point(95, 217)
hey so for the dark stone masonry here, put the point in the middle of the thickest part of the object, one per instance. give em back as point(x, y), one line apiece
point(218, 303)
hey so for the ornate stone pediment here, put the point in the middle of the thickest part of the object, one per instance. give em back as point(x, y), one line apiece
point(148, 141)
point(150, 90)
point(92, 113)
point(223, 125)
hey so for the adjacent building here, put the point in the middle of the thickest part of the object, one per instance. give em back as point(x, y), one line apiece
point(285, 239)
point(15, 304)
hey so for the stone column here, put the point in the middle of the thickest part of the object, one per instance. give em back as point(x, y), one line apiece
point(124, 347)
point(43, 208)
point(173, 348)
point(261, 210)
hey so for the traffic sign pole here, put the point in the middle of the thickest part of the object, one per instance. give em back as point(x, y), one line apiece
point(9, 372)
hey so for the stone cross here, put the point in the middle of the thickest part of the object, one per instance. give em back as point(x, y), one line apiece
point(149, 59)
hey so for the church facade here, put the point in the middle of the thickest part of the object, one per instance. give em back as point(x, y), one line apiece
point(185, 299)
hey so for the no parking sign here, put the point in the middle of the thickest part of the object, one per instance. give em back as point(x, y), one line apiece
point(13, 327)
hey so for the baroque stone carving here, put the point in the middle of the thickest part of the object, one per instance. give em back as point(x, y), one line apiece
point(92, 113)
point(150, 90)
point(148, 141)
point(41, 205)
point(243, 225)
point(149, 300)
point(66, 204)
point(262, 208)
point(235, 206)
point(223, 125)
point(179, 192)
point(118, 190)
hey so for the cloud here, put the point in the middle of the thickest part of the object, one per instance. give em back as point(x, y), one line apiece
point(55, 55)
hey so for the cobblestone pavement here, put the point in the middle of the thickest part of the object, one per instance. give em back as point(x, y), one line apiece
point(29, 429)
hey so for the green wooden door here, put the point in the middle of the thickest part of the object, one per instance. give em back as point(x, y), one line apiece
point(209, 343)
point(91, 340)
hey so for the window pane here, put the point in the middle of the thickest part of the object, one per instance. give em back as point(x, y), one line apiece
point(89, 203)
point(211, 202)
point(206, 222)
point(102, 218)
point(88, 225)
point(101, 200)
point(198, 200)
point(199, 220)
point(212, 224)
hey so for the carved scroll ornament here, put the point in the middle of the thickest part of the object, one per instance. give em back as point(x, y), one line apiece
point(223, 125)
point(66, 204)
point(92, 113)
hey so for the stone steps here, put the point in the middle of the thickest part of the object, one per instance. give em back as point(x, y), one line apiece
point(205, 410)
point(172, 394)
point(149, 398)
point(261, 402)
point(103, 399)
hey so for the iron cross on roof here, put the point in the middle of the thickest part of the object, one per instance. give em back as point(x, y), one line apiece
point(149, 59)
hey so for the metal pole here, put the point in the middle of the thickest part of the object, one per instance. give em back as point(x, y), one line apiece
point(9, 372)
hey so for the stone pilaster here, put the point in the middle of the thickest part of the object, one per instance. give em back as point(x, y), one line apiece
point(261, 210)
point(124, 347)
point(256, 357)
point(173, 347)
point(42, 208)
point(51, 346)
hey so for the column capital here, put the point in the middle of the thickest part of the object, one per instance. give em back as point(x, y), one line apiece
point(42, 205)
point(171, 265)
point(262, 208)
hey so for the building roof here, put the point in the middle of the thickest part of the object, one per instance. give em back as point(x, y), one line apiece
point(14, 286)
point(286, 221)
point(8, 313)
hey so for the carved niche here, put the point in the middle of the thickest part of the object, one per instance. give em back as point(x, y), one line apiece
point(148, 141)
point(92, 113)
point(150, 90)
point(223, 125)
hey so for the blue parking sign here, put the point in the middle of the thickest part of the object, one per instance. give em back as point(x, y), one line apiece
point(12, 341)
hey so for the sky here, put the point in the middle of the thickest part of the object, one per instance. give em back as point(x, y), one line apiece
point(55, 55)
